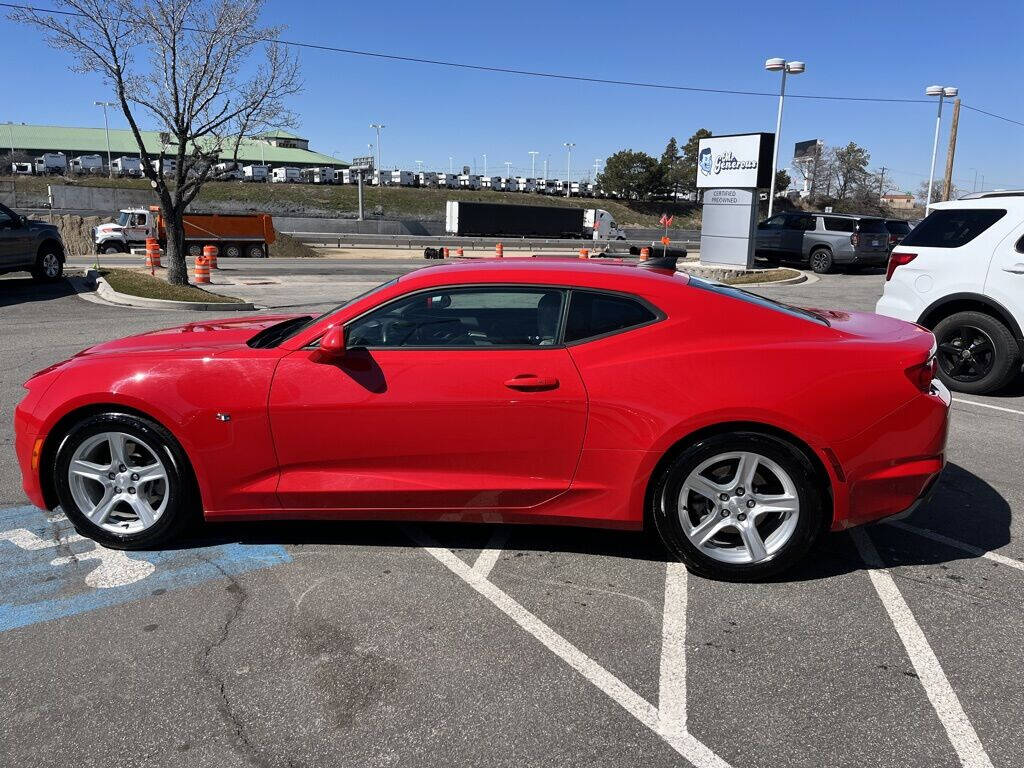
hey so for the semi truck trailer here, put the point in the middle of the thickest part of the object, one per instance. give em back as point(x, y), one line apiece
point(499, 220)
point(234, 235)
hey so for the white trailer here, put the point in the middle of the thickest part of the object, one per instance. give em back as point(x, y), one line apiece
point(285, 176)
point(426, 179)
point(22, 169)
point(448, 180)
point(170, 165)
point(51, 163)
point(470, 181)
point(87, 165)
point(547, 186)
point(491, 182)
point(524, 184)
point(397, 178)
point(255, 172)
point(319, 175)
point(228, 172)
point(127, 166)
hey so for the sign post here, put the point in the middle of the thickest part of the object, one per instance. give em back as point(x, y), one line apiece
point(730, 170)
point(361, 165)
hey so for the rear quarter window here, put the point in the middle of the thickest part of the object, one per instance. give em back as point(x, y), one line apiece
point(952, 228)
point(835, 224)
point(593, 314)
point(872, 226)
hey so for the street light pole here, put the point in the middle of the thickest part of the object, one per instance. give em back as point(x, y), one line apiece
point(533, 163)
point(485, 163)
point(568, 166)
point(106, 131)
point(787, 68)
point(942, 91)
point(597, 163)
point(508, 169)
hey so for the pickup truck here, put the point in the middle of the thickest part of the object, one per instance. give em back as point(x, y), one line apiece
point(32, 246)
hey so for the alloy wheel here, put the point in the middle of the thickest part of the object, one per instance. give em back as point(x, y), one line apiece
point(967, 353)
point(51, 265)
point(118, 482)
point(739, 507)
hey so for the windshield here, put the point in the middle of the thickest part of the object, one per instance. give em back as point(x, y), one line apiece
point(872, 226)
point(761, 301)
point(123, 218)
point(280, 332)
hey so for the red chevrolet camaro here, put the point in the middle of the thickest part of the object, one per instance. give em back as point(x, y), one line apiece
point(519, 391)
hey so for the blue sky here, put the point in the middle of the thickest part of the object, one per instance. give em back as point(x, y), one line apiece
point(868, 48)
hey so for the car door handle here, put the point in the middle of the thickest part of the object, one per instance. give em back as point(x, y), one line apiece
point(529, 382)
point(1017, 269)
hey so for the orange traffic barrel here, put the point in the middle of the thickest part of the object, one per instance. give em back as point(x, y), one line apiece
point(584, 253)
point(499, 250)
point(459, 252)
point(152, 253)
point(202, 271)
point(210, 254)
point(447, 253)
point(645, 253)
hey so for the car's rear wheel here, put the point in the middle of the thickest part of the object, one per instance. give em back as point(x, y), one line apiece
point(976, 352)
point(740, 506)
point(49, 265)
point(821, 261)
point(123, 481)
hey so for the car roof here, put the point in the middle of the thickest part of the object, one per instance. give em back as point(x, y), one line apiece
point(589, 273)
point(1013, 201)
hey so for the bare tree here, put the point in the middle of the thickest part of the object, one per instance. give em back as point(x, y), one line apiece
point(181, 64)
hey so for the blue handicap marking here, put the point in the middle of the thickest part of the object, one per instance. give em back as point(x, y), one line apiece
point(48, 570)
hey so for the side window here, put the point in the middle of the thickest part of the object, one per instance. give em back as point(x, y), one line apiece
point(838, 224)
point(464, 317)
point(6, 219)
point(775, 222)
point(596, 314)
point(952, 228)
point(801, 223)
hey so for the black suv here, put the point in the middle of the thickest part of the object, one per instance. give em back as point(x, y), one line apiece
point(31, 246)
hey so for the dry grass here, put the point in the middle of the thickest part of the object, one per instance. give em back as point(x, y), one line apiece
point(137, 283)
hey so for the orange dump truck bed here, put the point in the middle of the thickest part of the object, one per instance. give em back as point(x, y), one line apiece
point(234, 234)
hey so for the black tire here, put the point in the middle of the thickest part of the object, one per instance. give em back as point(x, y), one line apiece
point(821, 261)
point(231, 251)
point(980, 372)
point(194, 250)
point(112, 249)
point(256, 251)
point(811, 521)
point(49, 266)
point(182, 506)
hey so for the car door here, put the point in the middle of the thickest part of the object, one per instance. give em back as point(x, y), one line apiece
point(791, 237)
point(1005, 279)
point(448, 399)
point(769, 235)
point(15, 252)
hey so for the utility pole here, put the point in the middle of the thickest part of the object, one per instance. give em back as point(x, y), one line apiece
point(881, 183)
point(947, 184)
point(533, 163)
point(380, 174)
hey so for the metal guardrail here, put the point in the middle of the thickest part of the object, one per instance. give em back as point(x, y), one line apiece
point(342, 239)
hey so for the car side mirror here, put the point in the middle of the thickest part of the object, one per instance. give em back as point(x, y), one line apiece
point(23, 221)
point(333, 342)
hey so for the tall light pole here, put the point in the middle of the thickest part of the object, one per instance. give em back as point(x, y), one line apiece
point(451, 165)
point(485, 163)
point(508, 169)
point(942, 91)
point(106, 130)
point(546, 166)
point(568, 166)
point(787, 68)
point(533, 163)
point(597, 164)
point(378, 127)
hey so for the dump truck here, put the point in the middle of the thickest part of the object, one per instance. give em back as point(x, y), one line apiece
point(234, 234)
point(500, 220)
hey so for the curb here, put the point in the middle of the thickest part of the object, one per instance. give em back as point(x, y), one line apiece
point(801, 278)
point(107, 293)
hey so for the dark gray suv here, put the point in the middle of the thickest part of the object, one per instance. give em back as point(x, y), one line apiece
point(824, 241)
point(30, 246)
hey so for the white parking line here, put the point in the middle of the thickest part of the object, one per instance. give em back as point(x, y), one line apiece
point(488, 556)
point(680, 740)
point(672, 683)
point(940, 693)
point(955, 543)
point(986, 405)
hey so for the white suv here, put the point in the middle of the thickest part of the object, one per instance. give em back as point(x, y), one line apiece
point(960, 273)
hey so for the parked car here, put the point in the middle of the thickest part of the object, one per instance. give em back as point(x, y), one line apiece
point(824, 241)
point(960, 272)
point(526, 391)
point(30, 246)
point(898, 229)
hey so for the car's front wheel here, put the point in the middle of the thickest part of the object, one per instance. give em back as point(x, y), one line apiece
point(976, 352)
point(123, 481)
point(49, 265)
point(740, 506)
point(821, 261)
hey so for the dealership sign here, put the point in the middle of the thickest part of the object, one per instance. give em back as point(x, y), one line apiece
point(743, 161)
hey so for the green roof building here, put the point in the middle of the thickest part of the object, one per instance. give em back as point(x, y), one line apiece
point(274, 148)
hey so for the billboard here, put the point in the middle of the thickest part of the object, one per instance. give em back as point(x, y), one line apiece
point(361, 164)
point(807, 150)
point(742, 160)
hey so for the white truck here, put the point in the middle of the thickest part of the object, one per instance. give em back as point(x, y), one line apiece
point(84, 165)
point(255, 172)
point(170, 165)
point(285, 176)
point(51, 163)
point(324, 175)
point(127, 166)
point(227, 172)
point(469, 181)
point(524, 184)
point(426, 179)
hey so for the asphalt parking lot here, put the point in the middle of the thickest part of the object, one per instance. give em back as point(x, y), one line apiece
point(341, 644)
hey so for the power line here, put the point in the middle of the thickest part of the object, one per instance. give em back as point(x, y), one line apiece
point(991, 114)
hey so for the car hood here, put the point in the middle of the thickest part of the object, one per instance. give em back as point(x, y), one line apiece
point(209, 337)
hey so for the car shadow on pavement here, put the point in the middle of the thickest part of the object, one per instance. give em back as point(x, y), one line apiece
point(22, 290)
point(963, 507)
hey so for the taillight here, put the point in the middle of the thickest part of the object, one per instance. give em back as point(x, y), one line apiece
point(898, 260)
point(855, 239)
point(921, 375)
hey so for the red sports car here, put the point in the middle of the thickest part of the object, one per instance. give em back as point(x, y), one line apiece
point(517, 391)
